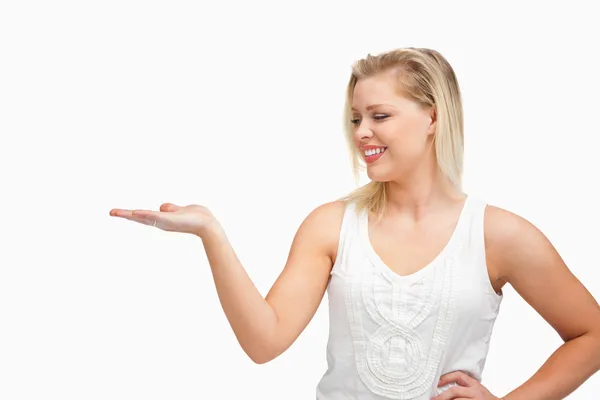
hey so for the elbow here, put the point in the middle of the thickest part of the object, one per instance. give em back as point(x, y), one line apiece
point(261, 356)
point(263, 347)
point(261, 353)
point(260, 359)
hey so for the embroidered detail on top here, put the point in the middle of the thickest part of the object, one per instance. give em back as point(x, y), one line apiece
point(394, 360)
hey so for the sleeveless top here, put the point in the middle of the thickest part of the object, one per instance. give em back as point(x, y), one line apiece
point(393, 336)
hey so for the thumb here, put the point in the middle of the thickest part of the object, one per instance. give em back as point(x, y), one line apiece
point(169, 207)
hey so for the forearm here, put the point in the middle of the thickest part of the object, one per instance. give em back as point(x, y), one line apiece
point(252, 319)
point(566, 369)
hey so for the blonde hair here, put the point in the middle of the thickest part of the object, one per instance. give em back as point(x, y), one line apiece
point(426, 77)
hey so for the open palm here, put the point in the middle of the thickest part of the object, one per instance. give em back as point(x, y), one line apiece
point(170, 217)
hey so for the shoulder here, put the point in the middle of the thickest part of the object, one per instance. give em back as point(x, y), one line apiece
point(510, 240)
point(324, 224)
point(329, 212)
point(327, 218)
point(524, 257)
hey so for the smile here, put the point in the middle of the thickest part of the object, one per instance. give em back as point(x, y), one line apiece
point(372, 155)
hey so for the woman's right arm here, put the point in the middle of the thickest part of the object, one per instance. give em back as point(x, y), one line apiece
point(266, 327)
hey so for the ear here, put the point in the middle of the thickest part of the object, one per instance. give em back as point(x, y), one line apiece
point(432, 120)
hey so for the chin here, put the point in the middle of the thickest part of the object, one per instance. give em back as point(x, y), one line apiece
point(378, 176)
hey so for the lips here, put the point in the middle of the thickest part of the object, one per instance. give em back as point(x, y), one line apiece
point(373, 153)
point(371, 147)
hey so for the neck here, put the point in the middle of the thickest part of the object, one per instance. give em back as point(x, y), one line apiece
point(423, 192)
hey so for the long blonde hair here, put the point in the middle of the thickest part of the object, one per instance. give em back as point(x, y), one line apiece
point(426, 77)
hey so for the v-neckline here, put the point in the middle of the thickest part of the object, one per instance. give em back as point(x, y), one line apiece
point(412, 277)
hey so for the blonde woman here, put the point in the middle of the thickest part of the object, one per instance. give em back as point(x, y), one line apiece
point(414, 267)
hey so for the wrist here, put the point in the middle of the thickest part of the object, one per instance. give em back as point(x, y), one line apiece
point(210, 230)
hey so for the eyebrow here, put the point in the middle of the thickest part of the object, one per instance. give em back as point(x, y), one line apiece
point(373, 106)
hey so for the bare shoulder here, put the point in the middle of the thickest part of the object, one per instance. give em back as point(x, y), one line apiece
point(520, 254)
point(324, 224)
point(503, 230)
point(332, 211)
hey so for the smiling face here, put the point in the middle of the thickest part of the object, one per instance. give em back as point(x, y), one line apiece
point(394, 131)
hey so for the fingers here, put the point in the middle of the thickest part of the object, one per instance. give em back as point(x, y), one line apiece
point(117, 212)
point(165, 207)
point(169, 207)
point(146, 217)
point(459, 377)
point(455, 393)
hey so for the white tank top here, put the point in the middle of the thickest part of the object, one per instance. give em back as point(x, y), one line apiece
point(393, 336)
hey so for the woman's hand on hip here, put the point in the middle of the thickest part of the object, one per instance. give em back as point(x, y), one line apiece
point(468, 388)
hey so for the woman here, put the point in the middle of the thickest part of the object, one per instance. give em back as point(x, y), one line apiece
point(414, 267)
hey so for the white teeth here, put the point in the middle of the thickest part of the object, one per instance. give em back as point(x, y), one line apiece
point(374, 151)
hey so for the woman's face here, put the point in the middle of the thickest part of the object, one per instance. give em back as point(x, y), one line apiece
point(393, 132)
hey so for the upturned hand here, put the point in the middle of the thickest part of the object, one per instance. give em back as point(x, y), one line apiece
point(193, 219)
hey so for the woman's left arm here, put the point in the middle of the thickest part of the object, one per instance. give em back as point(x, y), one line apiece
point(527, 260)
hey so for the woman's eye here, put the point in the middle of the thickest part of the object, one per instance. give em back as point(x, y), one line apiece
point(379, 117)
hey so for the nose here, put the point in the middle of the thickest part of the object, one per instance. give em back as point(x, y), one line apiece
point(362, 133)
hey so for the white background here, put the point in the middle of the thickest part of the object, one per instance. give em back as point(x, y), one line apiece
point(238, 106)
